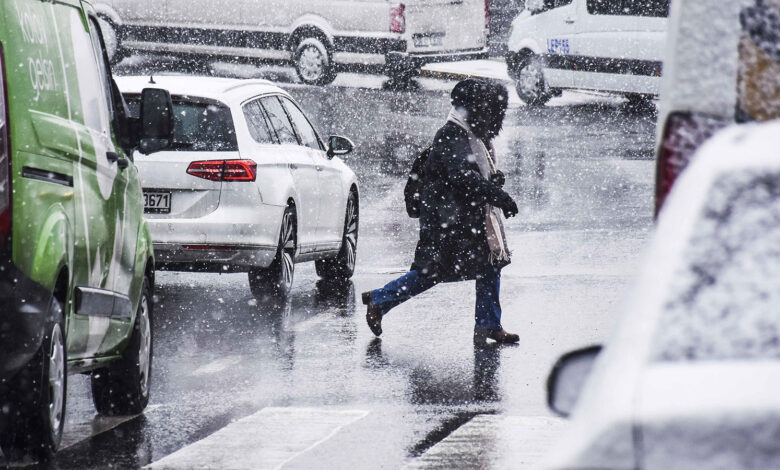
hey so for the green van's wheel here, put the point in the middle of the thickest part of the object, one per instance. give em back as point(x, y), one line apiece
point(123, 387)
point(36, 401)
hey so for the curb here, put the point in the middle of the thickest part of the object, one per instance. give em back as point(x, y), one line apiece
point(456, 75)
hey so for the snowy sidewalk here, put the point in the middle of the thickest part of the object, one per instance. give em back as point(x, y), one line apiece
point(494, 68)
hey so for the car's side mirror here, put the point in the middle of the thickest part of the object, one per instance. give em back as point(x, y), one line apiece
point(534, 6)
point(338, 145)
point(156, 120)
point(567, 378)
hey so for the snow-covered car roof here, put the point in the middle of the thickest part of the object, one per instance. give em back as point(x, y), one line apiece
point(226, 90)
point(703, 310)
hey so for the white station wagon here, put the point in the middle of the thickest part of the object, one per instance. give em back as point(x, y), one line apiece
point(246, 185)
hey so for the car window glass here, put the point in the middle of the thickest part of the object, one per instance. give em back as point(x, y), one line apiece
point(103, 68)
point(198, 126)
point(279, 120)
point(257, 123)
point(654, 8)
point(92, 80)
point(306, 132)
point(724, 296)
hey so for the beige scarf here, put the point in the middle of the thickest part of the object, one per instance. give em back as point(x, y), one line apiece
point(485, 159)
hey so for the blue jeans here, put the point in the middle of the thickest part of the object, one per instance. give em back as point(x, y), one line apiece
point(487, 311)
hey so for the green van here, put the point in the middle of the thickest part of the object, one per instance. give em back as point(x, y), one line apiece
point(76, 258)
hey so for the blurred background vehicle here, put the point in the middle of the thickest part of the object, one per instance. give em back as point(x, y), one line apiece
point(689, 378)
point(614, 46)
point(247, 185)
point(722, 66)
point(320, 37)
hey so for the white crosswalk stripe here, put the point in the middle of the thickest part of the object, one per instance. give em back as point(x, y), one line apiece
point(494, 442)
point(267, 439)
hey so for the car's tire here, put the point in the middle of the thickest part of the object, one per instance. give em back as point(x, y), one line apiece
point(343, 265)
point(114, 48)
point(314, 62)
point(36, 399)
point(123, 387)
point(275, 281)
point(530, 84)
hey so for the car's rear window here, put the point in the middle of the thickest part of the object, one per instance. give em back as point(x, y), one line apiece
point(200, 125)
point(727, 292)
point(653, 8)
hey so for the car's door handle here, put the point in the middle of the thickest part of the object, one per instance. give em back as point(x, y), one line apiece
point(319, 168)
point(569, 20)
point(122, 162)
point(293, 166)
point(112, 156)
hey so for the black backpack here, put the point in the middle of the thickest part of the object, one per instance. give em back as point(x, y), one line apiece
point(414, 184)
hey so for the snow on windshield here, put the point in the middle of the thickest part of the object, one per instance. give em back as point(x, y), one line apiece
point(727, 292)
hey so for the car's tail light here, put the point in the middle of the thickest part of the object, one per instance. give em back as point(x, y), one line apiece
point(5, 158)
point(398, 18)
point(683, 134)
point(487, 14)
point(224, 170)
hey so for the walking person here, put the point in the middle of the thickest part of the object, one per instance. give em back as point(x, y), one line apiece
point(461, 232)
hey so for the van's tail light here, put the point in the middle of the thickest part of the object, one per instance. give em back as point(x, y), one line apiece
point(487, 14)
point(5, 158)
point(683, 134)
point(398, 18)
point(224, 170)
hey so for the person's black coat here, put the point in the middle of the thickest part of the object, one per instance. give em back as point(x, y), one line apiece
point(453, 242)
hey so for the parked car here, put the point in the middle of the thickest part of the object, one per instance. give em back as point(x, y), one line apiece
point(689, 378)
point(248, 185)
point(76, 259)
point(614, 46)
point(722, 66)
point(318, 36)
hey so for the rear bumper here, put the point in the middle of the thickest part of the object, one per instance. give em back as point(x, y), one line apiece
point(211, 258)
point(23, 308)
point(415, 60)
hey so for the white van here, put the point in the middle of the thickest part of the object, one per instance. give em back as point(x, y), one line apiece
point(319, 36)
point(605, 45)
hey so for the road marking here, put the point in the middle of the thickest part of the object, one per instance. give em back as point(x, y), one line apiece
point(78, 432)
point(494, 441)
point(217, 365)
point(268, 439)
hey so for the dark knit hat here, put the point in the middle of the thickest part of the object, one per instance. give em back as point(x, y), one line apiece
point(467, 93)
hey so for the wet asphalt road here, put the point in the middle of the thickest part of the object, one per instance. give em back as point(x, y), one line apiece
point(581, 170)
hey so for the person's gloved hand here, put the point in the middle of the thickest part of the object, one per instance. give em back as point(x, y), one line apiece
point(498, 178)
point(509, 206)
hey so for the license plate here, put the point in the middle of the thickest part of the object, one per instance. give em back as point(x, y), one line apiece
point(157, 202)
point(428, 40)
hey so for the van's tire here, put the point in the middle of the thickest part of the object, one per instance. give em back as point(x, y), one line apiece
point(313, 61)
point(275, 281)
point(342, 267)
point(37, 396)
point(114, 48)
point(530, 83)
point(123, 387)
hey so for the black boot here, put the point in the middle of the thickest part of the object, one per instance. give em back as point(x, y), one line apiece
point(499, 335)
point(373, 314)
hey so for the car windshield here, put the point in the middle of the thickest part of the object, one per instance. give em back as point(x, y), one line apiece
point(725, 295)
point(199, 126)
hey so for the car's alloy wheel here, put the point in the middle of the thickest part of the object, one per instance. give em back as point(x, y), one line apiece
point(122, 388)
point(34, 406)
point(343, 265)
point(313, 62)
point(531, 85)
point(276, 280)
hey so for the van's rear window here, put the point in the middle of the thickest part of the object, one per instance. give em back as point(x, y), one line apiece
point(654, 8)
point(200, 126)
